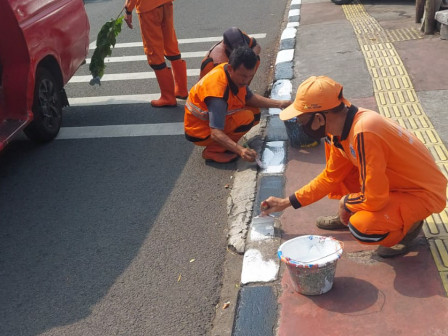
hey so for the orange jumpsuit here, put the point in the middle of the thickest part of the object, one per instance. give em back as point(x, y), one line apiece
point(217, 55)
point(389, 176)
point(239, 120)
point(157, 28)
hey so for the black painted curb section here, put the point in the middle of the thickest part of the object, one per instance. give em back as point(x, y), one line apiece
point(256, 314)
point(269, 185)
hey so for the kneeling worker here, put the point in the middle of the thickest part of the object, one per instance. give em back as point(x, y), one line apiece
point(220, 52)
point(215, 112)
point(386, 179)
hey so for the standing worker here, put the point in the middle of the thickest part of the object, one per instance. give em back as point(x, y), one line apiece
point(216, 115)
point(160, 41)
point(220, 52)
point(386, 179)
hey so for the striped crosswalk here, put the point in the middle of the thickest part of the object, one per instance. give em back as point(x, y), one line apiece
point(126, 76)
point(133, 53)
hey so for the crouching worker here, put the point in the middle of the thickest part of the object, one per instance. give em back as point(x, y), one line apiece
point(220, 52)
point(385, 178)
point(216, 116)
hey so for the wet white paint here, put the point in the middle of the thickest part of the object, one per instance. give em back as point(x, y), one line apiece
point(288, 33)
point(285, 56)
point(261, 228)
point(274, 157)
point(294, 12)
point(256, 269)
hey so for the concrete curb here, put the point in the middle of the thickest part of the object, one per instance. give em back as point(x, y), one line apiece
point(258, 254)
point(260, 261)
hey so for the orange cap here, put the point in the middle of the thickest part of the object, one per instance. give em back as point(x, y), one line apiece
point(316, 94)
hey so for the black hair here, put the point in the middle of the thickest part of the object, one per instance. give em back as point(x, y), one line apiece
point(338, 108)
point(243, 55)
point(234, 38)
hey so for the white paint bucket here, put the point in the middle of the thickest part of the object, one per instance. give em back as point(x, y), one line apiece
point(311, 261)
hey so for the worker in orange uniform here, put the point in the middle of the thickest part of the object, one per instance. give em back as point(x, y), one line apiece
point(160, 41)
point(215, 112)
point(220, 52)
point(386, 179)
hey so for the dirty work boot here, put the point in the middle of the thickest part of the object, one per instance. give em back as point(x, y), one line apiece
point(403, 246)
point(166, 83)
point(330, 223)
point(218, 154)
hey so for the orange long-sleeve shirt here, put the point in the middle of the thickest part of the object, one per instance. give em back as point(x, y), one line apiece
point(388, 158)
point(142, 6)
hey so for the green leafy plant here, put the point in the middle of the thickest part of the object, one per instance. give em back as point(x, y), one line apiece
point(105, 42)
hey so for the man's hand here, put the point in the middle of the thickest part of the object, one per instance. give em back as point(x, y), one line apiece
point(128, 20)
point(248, 154)
point(274, 204)
point(344, 215)
point(257, 100)
point(285, 103)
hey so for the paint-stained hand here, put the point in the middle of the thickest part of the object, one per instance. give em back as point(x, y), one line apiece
point(274, 204)
point(248, 154)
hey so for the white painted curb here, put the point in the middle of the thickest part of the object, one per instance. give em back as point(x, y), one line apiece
point(260, 262)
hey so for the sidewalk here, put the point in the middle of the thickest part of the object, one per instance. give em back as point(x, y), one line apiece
point(377, 53)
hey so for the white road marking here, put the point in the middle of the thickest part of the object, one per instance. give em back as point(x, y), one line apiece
point(181, 41)
point(119, 59)
point(126, 76)
point(116, 131)
point(113, 100)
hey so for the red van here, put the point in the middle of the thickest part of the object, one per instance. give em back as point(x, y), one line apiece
point(42, 44)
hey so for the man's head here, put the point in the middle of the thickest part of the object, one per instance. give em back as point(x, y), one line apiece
point(242, 62)
point(315, 98)
point(233, 38)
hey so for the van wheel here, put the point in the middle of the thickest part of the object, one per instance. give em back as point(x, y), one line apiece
point(341, 2)
point(47, 108)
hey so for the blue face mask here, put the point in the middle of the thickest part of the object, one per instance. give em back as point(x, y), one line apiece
point(315, 134)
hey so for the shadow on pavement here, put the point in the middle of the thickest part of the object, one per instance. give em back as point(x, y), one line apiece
point(74, 214)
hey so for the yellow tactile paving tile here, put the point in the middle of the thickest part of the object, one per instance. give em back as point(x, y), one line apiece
point(437, 225)
point(439, 248)
point(397, 99)
point(404, 34)
point(444, 277)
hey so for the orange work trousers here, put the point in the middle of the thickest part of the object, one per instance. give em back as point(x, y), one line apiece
point(158, 34)
point(237, 124)
point(389, 225)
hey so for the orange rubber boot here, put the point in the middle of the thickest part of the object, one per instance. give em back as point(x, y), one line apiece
point(180, 78)
point(166, 84)
point(216, 153)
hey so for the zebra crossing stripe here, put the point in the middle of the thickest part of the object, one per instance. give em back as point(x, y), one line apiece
point(117, 131)
point(113, 100)
point(125, 76)
point(92, 45)
point(119, 59)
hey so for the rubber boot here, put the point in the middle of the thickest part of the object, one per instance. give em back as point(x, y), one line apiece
point(166, 84)
point(180, 78)
point(217, 153)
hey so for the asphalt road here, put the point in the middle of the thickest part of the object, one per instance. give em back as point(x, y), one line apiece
point(106, 231)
